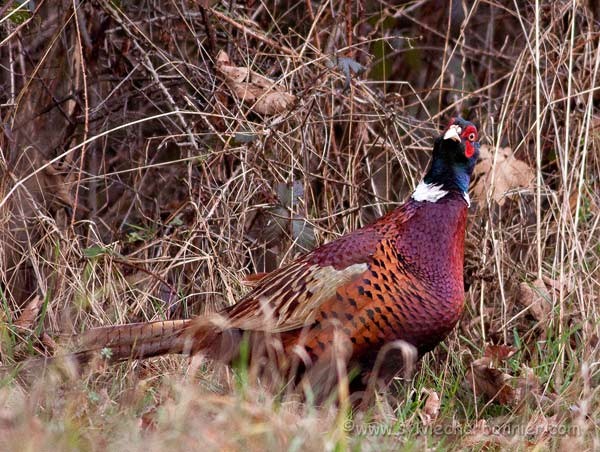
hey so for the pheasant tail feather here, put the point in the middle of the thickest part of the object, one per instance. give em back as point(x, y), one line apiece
point(136, 340)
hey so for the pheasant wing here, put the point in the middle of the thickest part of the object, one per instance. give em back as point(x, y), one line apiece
point(289, 297)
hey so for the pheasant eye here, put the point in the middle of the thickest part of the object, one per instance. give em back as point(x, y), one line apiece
point(472, 136)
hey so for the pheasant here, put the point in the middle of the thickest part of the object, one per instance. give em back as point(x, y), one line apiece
point(397, 279)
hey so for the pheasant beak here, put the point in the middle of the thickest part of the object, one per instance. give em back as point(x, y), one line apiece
point(453, 133)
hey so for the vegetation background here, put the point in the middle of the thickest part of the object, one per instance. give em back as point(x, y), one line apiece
point(154, 153)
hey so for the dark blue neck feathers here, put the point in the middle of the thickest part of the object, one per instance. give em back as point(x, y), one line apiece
point(452, 173)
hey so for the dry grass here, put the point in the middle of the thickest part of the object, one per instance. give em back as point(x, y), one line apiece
point(136, 185)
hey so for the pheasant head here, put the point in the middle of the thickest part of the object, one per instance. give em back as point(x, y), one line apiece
point(455, 153)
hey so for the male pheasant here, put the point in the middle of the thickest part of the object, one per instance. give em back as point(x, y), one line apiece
point(400, 278)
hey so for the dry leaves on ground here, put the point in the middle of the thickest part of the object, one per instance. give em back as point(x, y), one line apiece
point(509, 173)
point(490, 382)
point(499, 352)
point(484, 379)
point(536, 297)
point(431, 409)
point(29, 313)
point(261, 93)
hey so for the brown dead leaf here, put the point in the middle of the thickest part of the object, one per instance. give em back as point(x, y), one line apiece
point(499, 352)
point(48, 343)
point(261, 93)
point(536, 297)
point(490, 382)
point(509, 174)
point(431, 410)
point(28, 315)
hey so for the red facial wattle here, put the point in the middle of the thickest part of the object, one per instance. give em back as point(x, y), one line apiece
point(469, 136)
point(469, 149)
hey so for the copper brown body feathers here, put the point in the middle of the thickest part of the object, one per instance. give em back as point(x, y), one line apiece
point(400, 278)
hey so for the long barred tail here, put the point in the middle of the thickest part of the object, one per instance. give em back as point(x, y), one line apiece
point(135, 340)
point(210, 336)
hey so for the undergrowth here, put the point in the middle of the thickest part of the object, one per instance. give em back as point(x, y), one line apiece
point(141, 180)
